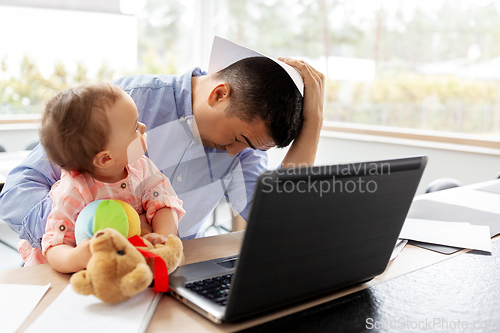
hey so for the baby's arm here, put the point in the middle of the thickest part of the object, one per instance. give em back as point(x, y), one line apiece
point(58, 242)
point(163, 207)
point(68, 259)
point(164, 223)
point(146, 228)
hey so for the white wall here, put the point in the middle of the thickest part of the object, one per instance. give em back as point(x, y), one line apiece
point(16, 137)
point(467, 167)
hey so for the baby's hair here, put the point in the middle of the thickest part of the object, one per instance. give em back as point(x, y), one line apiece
point(75, 126)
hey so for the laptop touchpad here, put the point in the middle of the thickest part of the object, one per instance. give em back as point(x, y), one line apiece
point(228, 263)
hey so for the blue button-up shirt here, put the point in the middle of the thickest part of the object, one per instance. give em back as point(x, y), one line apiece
point(200, 176)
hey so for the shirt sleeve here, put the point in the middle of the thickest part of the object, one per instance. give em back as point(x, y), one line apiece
point(244, 179)
point(158, 192)
point(25, 202)
point(70, 195)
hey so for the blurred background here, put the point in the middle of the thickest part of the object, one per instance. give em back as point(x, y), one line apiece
point(403, 77)
point(426, 64)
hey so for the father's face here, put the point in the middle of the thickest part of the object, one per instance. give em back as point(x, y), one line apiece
point(232, 134)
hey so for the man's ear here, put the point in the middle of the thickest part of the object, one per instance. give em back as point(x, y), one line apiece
point(103, 160)
point(221, 92)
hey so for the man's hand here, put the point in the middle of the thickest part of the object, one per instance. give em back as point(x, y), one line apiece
point(304, 147)
point(314, 89)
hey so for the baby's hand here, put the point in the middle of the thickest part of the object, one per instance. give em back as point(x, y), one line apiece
point(155, 238)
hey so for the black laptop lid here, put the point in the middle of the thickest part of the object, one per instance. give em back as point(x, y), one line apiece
point(313, 230)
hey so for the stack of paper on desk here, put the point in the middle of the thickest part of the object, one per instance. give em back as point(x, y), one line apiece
point(400, 244)
point(71, 312)
point(16, 304)
point(457, 234)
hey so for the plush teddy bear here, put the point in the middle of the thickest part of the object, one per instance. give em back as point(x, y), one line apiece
point(117, 270)
point(121, 267)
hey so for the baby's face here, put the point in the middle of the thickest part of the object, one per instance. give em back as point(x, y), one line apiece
point(128, 140)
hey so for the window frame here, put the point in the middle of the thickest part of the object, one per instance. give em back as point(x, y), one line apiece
point(413, 137)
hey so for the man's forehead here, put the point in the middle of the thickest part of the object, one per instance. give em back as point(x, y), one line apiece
point(265, 146)
point(258, 138)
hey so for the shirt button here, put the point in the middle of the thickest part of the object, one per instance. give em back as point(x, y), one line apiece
point(189, 121)
point(155, 194)
point(181, 117)
point(179, 178)
point(123, 185)
point(62, 227)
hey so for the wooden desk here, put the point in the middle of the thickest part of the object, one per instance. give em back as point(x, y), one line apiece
point(173, 316)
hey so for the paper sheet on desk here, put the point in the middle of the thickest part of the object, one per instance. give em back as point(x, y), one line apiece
point(71, 312)
point(16, 304)
point(492, 188)
point(458, 234)
point(400, 244)
point(475, 199)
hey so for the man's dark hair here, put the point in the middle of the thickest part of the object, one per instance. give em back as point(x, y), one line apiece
point(262, 90)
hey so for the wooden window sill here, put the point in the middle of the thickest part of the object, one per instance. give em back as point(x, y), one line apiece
point(412, 137)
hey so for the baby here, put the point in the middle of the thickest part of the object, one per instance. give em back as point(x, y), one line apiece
point(93, 133)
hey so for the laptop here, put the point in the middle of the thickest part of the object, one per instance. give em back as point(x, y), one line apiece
point(310, 231)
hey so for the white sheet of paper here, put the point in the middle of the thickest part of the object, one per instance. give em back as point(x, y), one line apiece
point(457, 234)
point(72, 312)
point(16, 304)
point(467, 197)
point(225, 53)
point(400, 245)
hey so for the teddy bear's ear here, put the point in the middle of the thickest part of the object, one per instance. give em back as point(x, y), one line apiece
point(136, 281)
point(81, 284)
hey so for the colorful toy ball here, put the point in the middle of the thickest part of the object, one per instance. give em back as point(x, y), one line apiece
point(102, 214)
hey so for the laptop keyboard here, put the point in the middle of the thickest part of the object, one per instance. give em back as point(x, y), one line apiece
point(215, 289)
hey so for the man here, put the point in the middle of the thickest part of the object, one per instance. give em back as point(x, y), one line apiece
point(207, 133)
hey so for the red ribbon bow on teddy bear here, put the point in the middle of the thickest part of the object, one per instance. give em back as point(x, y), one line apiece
point(160, 268)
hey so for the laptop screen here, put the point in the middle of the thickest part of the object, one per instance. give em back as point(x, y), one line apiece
point(312, 230)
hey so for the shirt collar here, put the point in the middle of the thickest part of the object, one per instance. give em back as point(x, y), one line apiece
point(183, 93)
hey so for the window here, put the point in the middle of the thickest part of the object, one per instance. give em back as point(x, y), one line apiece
point(419, 64)
point(432, 65)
